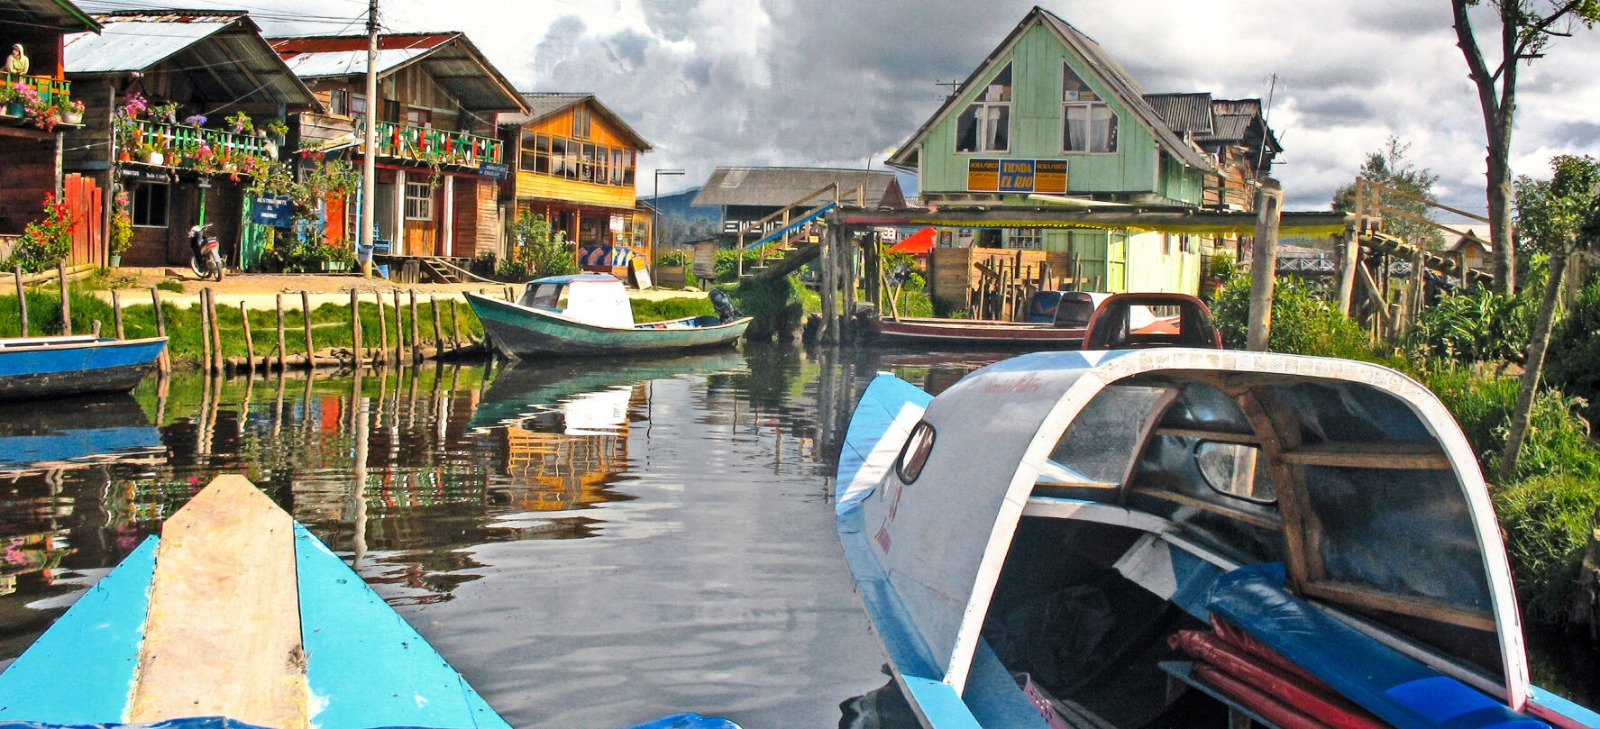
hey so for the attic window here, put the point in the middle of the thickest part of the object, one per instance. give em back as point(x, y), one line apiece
point(580, 122)
point(985, 125)
point(1088, 124)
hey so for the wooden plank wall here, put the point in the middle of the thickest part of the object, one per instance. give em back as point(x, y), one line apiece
point(29, 175)
point(952, 271)
point(87, 202)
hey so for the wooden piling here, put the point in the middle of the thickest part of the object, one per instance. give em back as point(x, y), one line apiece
point(383, 333)
point(163, 362)
point(22, 300)
point(455, 327)
point(205, 333)
point(116, 312)
point(305, 310)
point(282, 345)
point(357, 342)
point(216, 331)
point(399, 330)
point(438, 330)
point(66, 300)
point(416, 333)
point(249, 341)
point(1263, 266)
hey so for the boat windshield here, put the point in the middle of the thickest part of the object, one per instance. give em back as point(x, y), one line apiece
point(1100, 446)
point(541, 296)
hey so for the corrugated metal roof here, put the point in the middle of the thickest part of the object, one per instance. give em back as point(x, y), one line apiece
point(1184, 113)
point(137, 43)
point(221, 53)
point(1229, 128)
point(545, 104)
point(1111, 72)
point(449, 57)
point(781, 186)
point(58, 15)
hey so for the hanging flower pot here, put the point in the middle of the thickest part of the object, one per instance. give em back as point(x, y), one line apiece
point(124, 156)
point(71, 117)
point(156, 158)
point(116, 260)
point(12, 109)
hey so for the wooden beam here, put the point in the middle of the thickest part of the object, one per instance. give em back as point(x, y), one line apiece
point(1409, 196)
point(1366, 456)
point(1417, 606)
point(223, 634)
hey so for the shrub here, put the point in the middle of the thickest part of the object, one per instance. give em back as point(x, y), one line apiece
point(725, 267)
point(1302, 321)
point(1575, 349)
point(1547, 521)
point(673, 258)
point(536, 250)
point(44, 241)
point(121, 225)
point(1473, 326)
point(779, 306)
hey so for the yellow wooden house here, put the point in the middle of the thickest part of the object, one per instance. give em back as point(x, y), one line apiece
point(575, 164)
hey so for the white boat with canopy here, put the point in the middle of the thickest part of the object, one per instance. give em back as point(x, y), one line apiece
point(1130, 538)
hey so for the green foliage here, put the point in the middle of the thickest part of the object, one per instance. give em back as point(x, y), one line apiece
point(664, 309)
point(673, 258)
point(121, 225)
point(778, 306)
point(1389, 167)
point(1561, 214)
point(536, 250)
point(1547, 520)
point(725, 267)
point(917, 279)
point(45, 241)
point(170, 285)
point(1575, 349)
point(1476, 325)
point(1302, 321)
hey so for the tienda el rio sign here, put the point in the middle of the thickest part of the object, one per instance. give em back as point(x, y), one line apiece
point(1017, 175)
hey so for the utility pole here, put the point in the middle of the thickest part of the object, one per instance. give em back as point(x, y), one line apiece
point(368, 234)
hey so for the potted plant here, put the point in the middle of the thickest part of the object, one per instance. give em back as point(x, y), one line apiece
point(72, 112)
point(121, 228)
point(10, 101)
point(670, 267)
point(150, 154)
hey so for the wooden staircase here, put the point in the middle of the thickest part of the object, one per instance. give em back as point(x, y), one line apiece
point(791, 246)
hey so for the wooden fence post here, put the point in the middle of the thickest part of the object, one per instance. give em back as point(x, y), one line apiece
point(66, 300)
point(416, 333)
point(22, 301)
point(249, 341)
point(399, 330)
point(205, 333)
point(455, 327)
point(116, 312)
point(216, 331)
point(382, 359)
point(438, 330)
point(1264, 265)
point(164, 362)
point(357, 343)
point(1349, 253)
point(305, 307)
point(282, 345)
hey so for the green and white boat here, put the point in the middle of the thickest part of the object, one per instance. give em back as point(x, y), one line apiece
point(589, 314)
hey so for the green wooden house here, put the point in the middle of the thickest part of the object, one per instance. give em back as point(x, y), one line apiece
point(1051, 120)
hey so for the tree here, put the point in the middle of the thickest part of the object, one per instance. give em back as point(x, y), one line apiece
point(1559, 217)
point(1389, 167)
point(1526, 28)
point(536, 250)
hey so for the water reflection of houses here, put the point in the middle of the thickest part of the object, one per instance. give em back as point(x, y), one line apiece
point(567, 457)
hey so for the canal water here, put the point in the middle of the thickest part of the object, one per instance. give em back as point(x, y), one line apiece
point(591, 543)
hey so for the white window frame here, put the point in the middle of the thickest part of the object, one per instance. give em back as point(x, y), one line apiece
point(988, 110)
point(1088, 108)
point(419, 206)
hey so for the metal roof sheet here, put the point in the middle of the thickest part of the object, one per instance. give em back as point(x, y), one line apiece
point(1188, 113)
point(221, 53)
point(449, 57)
point(60, 15)
point(135, 44)
point(780, 186)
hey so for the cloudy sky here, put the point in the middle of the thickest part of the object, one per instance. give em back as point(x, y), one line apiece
point(837, 82)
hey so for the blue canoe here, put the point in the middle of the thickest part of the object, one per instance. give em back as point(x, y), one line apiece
point(39, 367)
point(237, 611)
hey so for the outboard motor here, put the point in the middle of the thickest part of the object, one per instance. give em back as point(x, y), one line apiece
point(723, 303)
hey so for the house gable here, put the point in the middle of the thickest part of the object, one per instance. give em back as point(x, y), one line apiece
point(1148, 158)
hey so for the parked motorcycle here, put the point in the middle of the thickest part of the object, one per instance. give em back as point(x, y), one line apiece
point(205, 253)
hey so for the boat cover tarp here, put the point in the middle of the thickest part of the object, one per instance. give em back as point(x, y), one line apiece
point(1397, 688)
point(675, 721)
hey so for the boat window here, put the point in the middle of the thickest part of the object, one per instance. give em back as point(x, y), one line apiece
point(1105, 438)
point(1235, 469)
point(542, 296)
point(915, 453)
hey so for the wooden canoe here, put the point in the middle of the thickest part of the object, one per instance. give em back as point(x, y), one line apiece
point(42, 367)
point(523, 331)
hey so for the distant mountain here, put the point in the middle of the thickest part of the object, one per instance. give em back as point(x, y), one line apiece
point(682, 222)
point(680, 205)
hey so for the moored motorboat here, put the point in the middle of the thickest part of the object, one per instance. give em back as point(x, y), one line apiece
point(1056, 320)
point(1127, 538)
point(589, 314)
point(60, 366)
point(238, 611)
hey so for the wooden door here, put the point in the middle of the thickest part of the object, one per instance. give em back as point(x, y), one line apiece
point(86, 201)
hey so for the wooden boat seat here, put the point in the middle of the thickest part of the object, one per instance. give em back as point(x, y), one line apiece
point(1395, 687)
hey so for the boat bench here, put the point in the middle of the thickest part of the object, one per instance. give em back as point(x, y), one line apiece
point(1397, 688)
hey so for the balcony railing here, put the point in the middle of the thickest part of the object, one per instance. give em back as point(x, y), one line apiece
point(425, 144)
point(197, 148)
point(51, 91)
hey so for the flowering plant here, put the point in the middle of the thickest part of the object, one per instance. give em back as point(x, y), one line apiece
point(73, 107)
point(46, 241)
point(134, 106)
point(121, 224)
point(198, 120)
point(241, 123)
